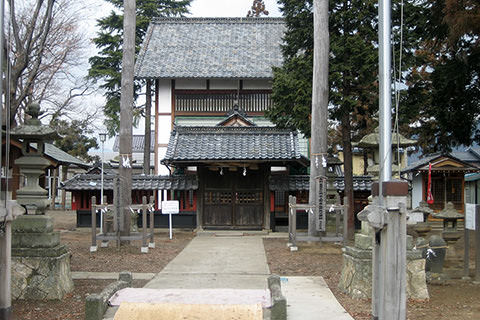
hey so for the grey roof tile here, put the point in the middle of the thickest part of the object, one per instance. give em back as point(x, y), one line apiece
point(211, 48)
point(232, 143)
point(139, 182)
point(62, 157)
point(302, 182)
point(138, 142)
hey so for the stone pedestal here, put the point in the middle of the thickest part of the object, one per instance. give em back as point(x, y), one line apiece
point(356, 277)
point(40, 264)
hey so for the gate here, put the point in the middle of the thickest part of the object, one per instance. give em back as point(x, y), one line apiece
point(233, 200)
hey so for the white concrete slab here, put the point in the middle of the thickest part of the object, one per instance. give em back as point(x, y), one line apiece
point(192, 296)
point(309, 298)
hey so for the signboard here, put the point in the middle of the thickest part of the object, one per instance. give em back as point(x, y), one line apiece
point(470, 216)
point(170, 207)
point(414, 217)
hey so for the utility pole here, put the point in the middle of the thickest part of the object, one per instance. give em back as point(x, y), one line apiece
point(389, 221)
point(126, 113)
point(319, 129)
point(148, 128)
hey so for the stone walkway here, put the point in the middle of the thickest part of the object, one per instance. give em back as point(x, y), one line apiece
point(228, 265)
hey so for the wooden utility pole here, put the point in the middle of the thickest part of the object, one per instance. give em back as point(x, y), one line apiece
point(148, 128)
point(126, 113)
point(318, 143)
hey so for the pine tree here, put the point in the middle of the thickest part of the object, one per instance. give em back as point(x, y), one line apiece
point(106, 66)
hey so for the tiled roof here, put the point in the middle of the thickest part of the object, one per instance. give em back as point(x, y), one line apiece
point(62, 157)
point(239, 48)
point(422, 164)
point(232, 143)
point(302, 182)
point(139, 182)
point(138, 142)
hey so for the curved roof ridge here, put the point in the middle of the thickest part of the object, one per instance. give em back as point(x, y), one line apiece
point(219, 19)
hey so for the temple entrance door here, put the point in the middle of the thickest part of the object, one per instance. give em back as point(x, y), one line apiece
point(233, 200)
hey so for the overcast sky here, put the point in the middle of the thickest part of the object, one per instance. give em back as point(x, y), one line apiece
point(95, 9)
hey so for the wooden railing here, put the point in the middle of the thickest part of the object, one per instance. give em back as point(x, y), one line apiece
point(215, 101)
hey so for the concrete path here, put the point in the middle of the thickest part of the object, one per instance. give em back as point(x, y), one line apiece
point(310, 298)
point(235, 262)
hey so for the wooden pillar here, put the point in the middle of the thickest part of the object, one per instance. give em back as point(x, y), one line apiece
point(64, 178)
point(200, 197)
point(53, 187)
point(266, 198)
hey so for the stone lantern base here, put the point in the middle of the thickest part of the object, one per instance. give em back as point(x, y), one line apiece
point(356, 276)
point(40, 264)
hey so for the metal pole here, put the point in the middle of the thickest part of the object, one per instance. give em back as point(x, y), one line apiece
point(101, 190)
point(385, 95)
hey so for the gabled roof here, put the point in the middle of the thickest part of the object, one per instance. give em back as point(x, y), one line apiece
point(202, 144)
point(139, 182)
point(241, 48)
point(441, 162)
point(236, 117)
point(138, 143)
point(61, 157)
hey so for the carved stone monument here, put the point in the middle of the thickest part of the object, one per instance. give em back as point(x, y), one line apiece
point(40, 264)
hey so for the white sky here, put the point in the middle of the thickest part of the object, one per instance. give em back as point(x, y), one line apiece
point(95, 9)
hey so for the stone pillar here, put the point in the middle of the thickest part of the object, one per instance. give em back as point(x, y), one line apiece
point(40, 264)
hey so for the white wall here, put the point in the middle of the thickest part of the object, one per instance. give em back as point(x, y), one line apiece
point(257, 84)
point(223, 84)
point(417, 191)
point(163, 132)
point(192, 84)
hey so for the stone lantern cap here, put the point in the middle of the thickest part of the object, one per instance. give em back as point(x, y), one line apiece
point(448, 213)
point(33, 129)
point(423, 208)
point(372, 140)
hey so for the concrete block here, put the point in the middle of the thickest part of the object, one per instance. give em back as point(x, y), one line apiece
point(32, 223)
point(278, 311)
point(35, 240)
point(96, 304)
point(363, 241)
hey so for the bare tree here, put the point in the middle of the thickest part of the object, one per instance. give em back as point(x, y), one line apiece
point(45, 45)
point(258, 8)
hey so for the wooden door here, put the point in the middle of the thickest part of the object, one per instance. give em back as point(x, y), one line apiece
point(233, 200)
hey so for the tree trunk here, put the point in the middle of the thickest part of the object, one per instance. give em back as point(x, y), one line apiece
point(126, 113)
point(348, 173)
point(53, 187)
point(148, 128)
point(318, 147)
point(64, 178)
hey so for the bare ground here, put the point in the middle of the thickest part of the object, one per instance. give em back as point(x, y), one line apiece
point(455, 300)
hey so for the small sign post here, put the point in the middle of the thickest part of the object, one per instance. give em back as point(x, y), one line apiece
point(170, 207)
point(472, 222)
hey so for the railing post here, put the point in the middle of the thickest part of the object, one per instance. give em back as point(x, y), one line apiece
point(93, 247)
point(345, 220)
point(151, 244)
point(144, 225)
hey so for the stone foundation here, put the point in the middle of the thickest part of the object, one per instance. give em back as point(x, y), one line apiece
point(356, 277)
point(40, 264)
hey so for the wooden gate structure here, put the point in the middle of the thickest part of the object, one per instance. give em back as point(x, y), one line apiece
point(322, 209)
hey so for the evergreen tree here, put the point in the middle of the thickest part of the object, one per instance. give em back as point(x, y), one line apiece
point(107, 65)
point(443, 97)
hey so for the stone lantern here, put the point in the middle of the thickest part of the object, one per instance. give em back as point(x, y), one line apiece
point(40, 264)
point(32, 164)
point(422, 228)
point(450, 233)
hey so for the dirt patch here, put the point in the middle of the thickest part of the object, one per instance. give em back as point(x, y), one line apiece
point(456, 300)
point(71, 307)
point(128, 258)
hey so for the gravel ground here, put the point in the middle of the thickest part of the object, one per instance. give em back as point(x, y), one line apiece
point(455, 300)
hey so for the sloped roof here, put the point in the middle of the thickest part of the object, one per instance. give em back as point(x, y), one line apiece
point(61, 157)
point(193, 144)
point(242, 48)
point(139, 182)
point(302, 182)
point(422, 164)
point(138, 143)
